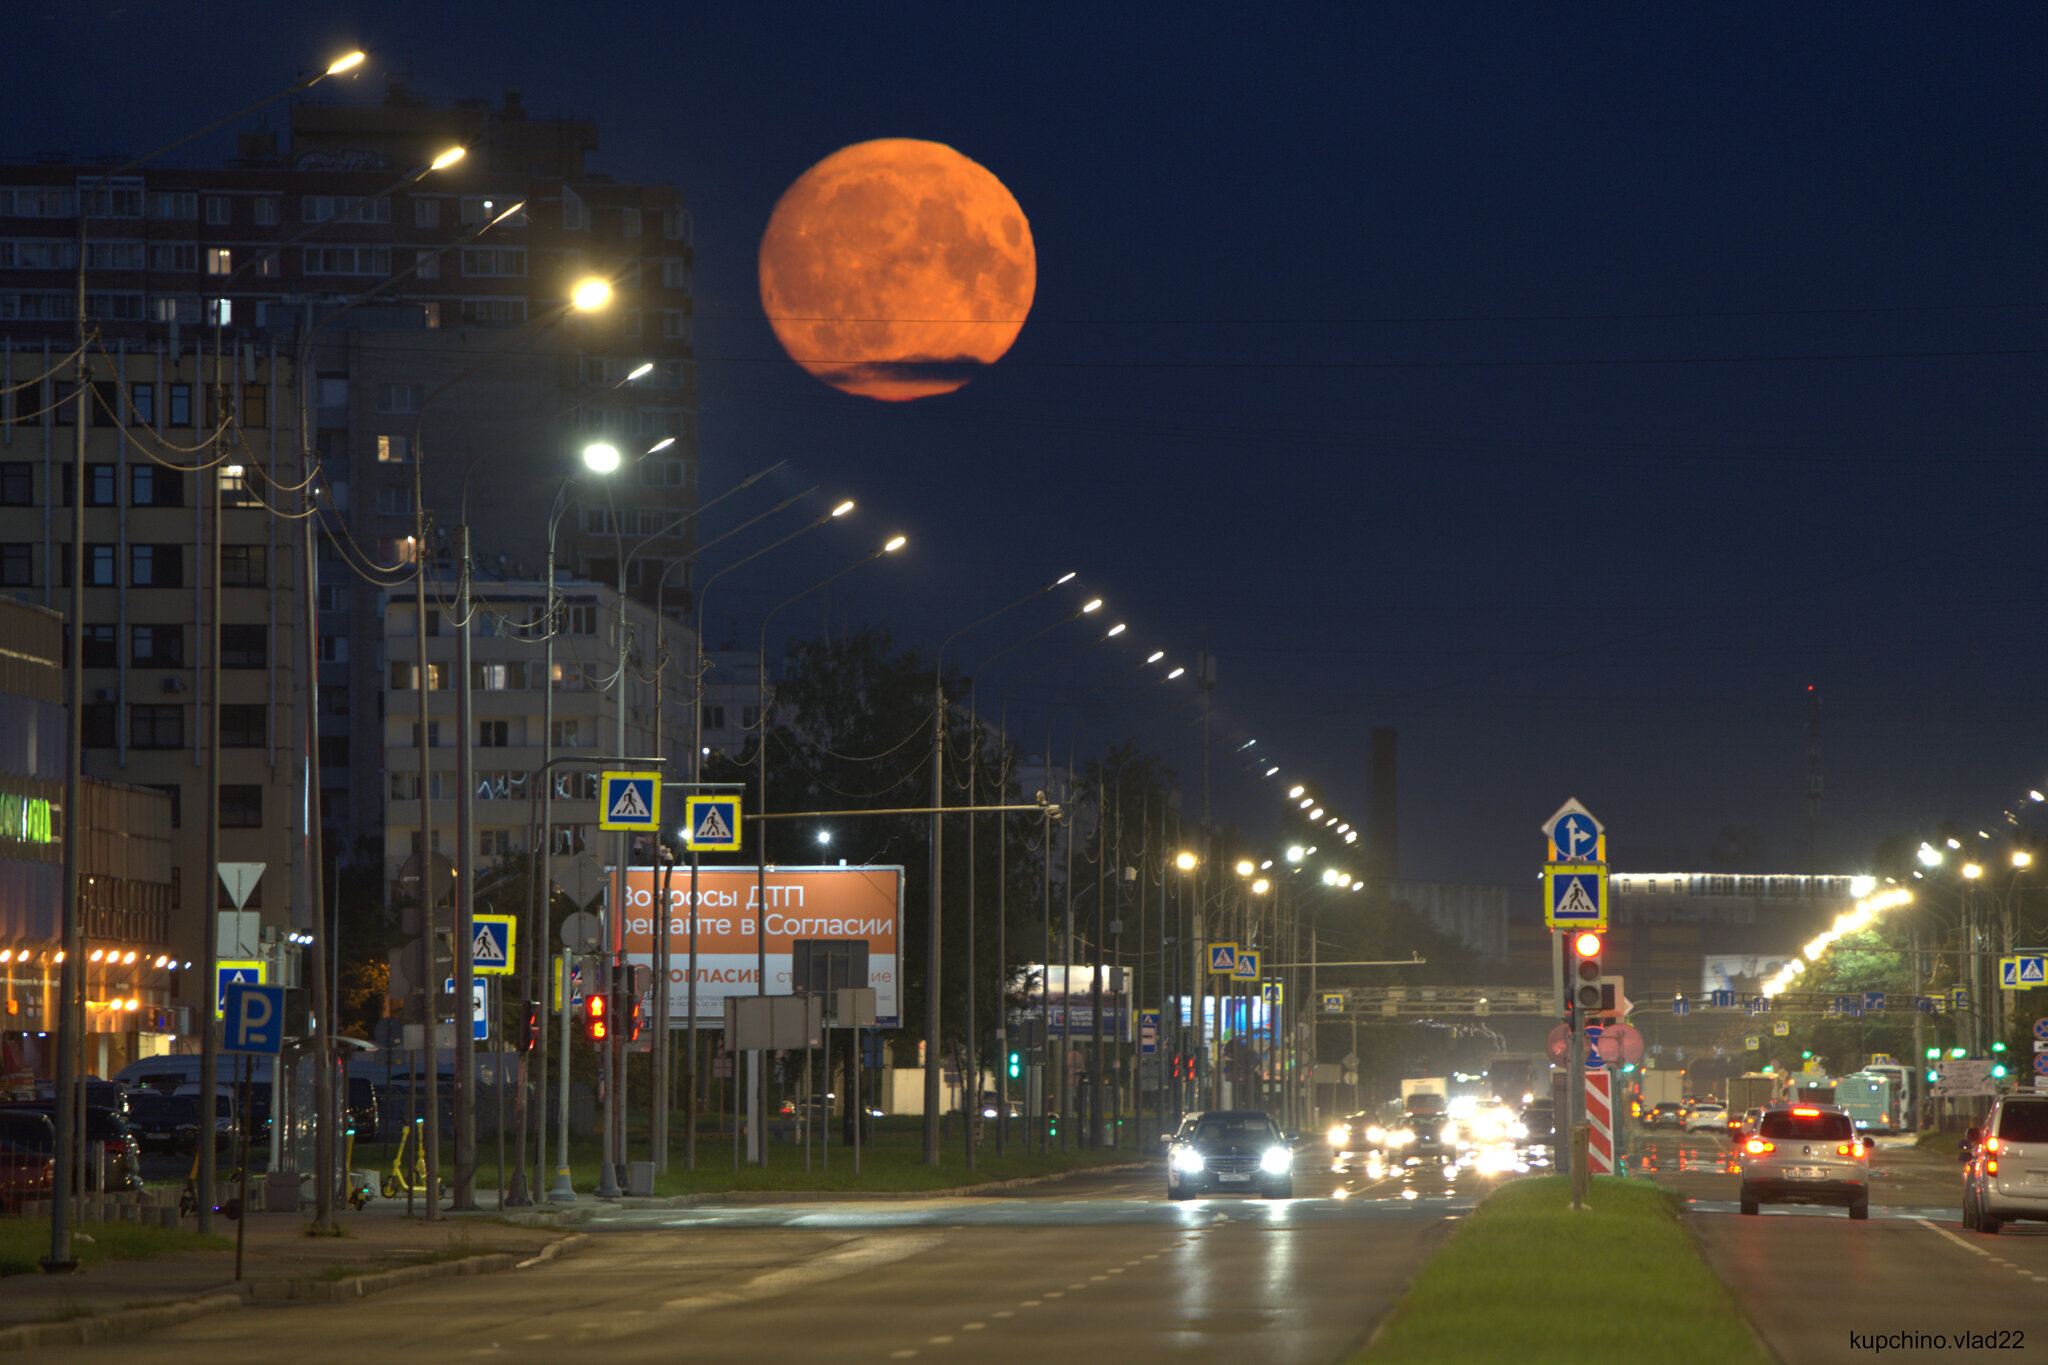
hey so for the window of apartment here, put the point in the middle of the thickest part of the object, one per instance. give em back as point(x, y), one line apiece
point(217, 212)
point(675, 272)
point(476, 209)
point(714, 717)
point(321, 208)
point(182, 309)
point(219, 261)
point(97, 649)
point(629, 323)
point(398, 398)
point(99, 723)
point(157, 646)
point(493, 312)
point(495, 843)
point(142, 404)
point(348, 260)
point(266, 212)
point(117, 199)
point(430, 315)
point(244, 646)
point(491, 734)
point(17, 566)
point(99, 485)
point(334, 701)
point(241, 807)
point(394, 449)
point(243, 726)
point(582, 620)
point(220, 312)
point(156, 566)
point(153, 486)
point(174, 257)
point(177, 795)
point(566, 734)
point(426, 212)
point(112, 255)
point(174, 204)
point(394, 502)
point(334, 649)
point(433, 736)
point(333, 391)
point(426, 265)
point(494, 262)
point(506, 677)
point(394, 551)
point(629, 223)
point(333, 752)
point(180, 407)
point(675, 324)
point(99, 566)
point(244, 566)
point(17, 484)
point(156, 727)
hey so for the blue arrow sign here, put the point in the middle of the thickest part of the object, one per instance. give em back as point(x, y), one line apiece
point(1594, 1061)
point(1873, 1000)
point(1721, 999)
point(1680, 1005)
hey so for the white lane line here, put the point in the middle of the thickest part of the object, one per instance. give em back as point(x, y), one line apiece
point(972, 1326)
point(1004, 1313)
point(1028, 1303)
point(850, 1258)
point(901, 1355)
point(938, 1341)
point(1050, 1293)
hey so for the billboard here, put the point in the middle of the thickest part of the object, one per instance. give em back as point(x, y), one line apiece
point(800, 903)
point(1744, 974)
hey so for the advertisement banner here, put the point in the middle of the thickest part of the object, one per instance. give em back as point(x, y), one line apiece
point(800, 903)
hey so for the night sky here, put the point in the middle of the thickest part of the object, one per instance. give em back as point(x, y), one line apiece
point(1569, 393)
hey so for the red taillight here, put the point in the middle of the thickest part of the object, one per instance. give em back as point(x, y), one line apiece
point(1757, 1146)
point(1991, 1144)
point(1848, 1149)
point(1991, 1167)
point(1807, 1113)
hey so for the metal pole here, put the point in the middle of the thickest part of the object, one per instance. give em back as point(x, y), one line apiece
point(1102, 857)
point(326, 949)
point(562, 1192)
point(970, 1067)
point(932, 1098)
point(1067, 982)
point(615, 938)
point(209, 1053)
point(542, 927)
point(1046, 1111)
point(465, 901)
point(429, 994)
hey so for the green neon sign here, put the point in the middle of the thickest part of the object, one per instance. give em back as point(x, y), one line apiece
point(25, 818)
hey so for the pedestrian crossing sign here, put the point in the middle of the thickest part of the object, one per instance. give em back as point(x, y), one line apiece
point(1575, 896)
point(491, 948)
point(1247, 965)
point(712, 822)
point(630, 801)
point(1222, 959)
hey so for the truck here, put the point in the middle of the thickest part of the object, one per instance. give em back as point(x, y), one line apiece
point(1513, 1076)
point(1753, 1090)
point(1425, 1094)
point(1662, 1087)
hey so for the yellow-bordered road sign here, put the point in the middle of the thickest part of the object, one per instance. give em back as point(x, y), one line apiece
point(711, 822)
point(630, 801)
point(1575, 895)
point(495, 946)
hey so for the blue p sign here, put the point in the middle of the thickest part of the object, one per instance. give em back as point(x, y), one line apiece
point(254, 1018)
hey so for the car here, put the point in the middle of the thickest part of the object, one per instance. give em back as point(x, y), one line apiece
point(1805, 1154)
point(1708, 1116)
point(164, 1123)
point(28, 1164)
point(1227, 1151)
point(112, 1144)
point(2005, 1175)
point(1667, 1114)
point(1539, 1129)
point(1740, 1126)
point(1421, 1140)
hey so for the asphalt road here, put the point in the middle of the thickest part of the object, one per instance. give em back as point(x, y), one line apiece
point(1810, 1277)
point(1092, 1267)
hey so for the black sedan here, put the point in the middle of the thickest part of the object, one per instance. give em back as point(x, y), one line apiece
point(1228, 1151)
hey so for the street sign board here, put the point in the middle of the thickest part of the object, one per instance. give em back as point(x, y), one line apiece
point(2041, 1063)
point(2032, 969)
point(1723, 999)
point(2008, 973)
point(1782, 1029)
point(1873, 1001)
point(255, 1019)
point(1270, 992)
point(479, 1007)
point(1222, 959)
point(226, 974)
point(1680, 1005)
point(1575, 895)
point(492, 951)
point(2041, 1029)
point(239, 879)
point(711, 823)
point(1575, 836)
point(1247, 965)
point(1333, 1002)
point(630, 801)
point(1968, 1076)
point(1148, 1032)
point(1751, 1042)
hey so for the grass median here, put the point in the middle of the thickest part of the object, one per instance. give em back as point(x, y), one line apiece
point(1528, 1279)
point(24, 1242)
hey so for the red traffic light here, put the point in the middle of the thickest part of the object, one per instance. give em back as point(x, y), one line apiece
point(596, 1026)
point(1586, 944)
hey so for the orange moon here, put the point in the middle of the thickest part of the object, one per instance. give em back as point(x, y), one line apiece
point(897, 269)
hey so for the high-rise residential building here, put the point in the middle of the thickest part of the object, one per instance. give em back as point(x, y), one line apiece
point(404, 332)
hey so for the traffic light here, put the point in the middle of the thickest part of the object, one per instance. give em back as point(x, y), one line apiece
point(633, 1021)
point(1934, 1054)
point(1806, 1055)
point(1998, 1047)
point(529, 1035)
point(1958, 1053)
point(1586, 972)
point(596, 1017)
point(1998, 1071)
point(1016, 1065)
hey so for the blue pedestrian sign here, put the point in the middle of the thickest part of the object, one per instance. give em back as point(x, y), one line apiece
point(711, 822)
point(630, 801)
point(491, 951)
point(226, 974)
point(1148, 1032)
point(1222, 959)
point(1247, 965)
point(2008, 973)
point(255, 1019)
point(1575, 896)
point(2032, 967)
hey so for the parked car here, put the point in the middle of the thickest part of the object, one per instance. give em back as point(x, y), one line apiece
point(105, 1131)
point(164, 1123)
point(2005, 1172)
point(28, 1163)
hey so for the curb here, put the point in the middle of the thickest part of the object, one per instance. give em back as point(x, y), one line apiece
point(570, 1215)
point(130, 1322)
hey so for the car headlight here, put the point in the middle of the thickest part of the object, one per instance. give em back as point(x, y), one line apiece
point(1339, 1135)
point(1518, 1130)
point(1187, 1161)
point(1449, 1133)
point(1375, 1134)
point(1276, 1161)
point(1401, 1137)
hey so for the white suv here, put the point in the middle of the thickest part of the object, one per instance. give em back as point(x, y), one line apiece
point(2006, 1175)
point(1805, 1154)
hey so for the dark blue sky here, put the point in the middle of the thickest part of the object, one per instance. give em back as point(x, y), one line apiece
point(1569, 393)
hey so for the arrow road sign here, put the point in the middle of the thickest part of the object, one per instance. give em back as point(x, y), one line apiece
point(255, 1019)
point(1575, 836)
point(630, 801)
point(1873, 1001)
point(1222, 959)
point(711, 822)
point(491, 953)
point(1721, 999)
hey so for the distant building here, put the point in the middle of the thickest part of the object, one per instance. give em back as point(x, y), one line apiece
point(1474, 914)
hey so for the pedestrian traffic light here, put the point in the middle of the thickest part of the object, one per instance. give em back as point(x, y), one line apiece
point(1016, 1065)
point(1934, 1054)
point(529, 1035)
point(1586, 973)
point(634, 1021)
point(596, 1017)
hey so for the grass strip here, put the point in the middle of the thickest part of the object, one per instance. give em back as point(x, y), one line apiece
point(24, 1242)
point(1528, 1279)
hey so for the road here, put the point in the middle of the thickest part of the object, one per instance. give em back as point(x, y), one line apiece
point(1810, 1277)
point(1091, 1267)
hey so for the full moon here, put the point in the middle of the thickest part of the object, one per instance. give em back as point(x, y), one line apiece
point(897, 269)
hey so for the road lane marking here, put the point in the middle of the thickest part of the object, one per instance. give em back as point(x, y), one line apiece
point(938, 1341)
point(1028, 1303)
point(901, 1355)
point(850, 1258)
point(1004, 1313)
point(972, 1326)
point(1055, 1293)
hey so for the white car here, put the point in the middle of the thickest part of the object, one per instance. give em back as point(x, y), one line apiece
point(1707, 1118)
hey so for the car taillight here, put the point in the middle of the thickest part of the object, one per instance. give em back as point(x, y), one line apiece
point(1848, 1149)
point(1991, 1167)
point(1991, 1144)
point(1757, 1146)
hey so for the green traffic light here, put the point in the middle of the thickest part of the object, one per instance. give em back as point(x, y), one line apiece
point(1807, 1055)
point(1933, 1054)
point(1958, 1053)
point(1998, 1047)
point(1933, 1076)
point(1998, 1071)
